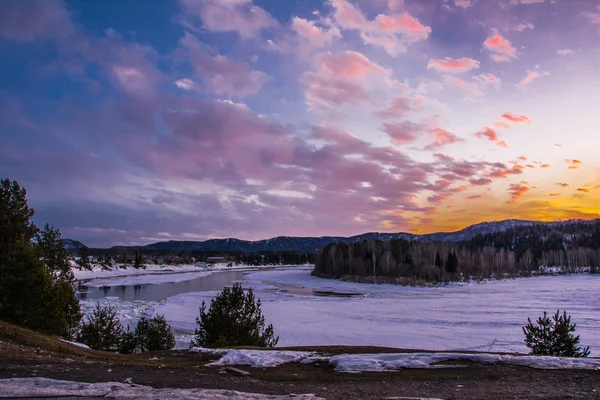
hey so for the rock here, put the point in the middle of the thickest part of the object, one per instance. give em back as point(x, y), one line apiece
point(236, 371)
point(129, 381)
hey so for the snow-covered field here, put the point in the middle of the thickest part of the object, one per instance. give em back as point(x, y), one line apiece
point(480, 317)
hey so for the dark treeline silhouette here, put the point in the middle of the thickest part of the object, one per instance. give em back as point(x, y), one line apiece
point(122, 255)
point(518, 251)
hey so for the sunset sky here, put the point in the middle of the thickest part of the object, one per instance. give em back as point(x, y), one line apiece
point(130, 122)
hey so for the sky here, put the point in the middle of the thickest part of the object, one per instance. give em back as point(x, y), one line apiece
point(132, 122)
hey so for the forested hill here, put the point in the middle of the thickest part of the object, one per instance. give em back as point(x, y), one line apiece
point(312, 244)
point(515, 251)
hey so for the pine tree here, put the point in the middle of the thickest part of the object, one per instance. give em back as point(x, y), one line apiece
point(153, 334)
point(102, 330)
point(138, 261)
point(84, 258)
point(451, 263)
point(553, 337)
point(35, 281)
point(438, 260)
point(234, 319)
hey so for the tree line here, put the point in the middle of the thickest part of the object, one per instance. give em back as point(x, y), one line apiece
point(515, 252)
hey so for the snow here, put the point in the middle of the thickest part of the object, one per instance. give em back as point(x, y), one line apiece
point(395, 361)
point(43, 387)
point(85, 346)
point(261, 358)
point(152, 279)
point(459, 317)
point(380, 362)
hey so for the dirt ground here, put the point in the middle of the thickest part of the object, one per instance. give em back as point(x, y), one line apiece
point(26, 354)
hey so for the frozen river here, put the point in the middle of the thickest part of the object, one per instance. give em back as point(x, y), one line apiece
point(485, 317)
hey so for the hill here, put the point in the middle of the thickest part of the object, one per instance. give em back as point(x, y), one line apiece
point(312, 244)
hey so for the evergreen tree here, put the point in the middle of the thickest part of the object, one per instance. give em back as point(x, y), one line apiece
point(138, 261)
point(451, 263)
point(35, 281)
point(233, 319)
point(102, 330)
point(153, 334)
point(438, 260)
point(553, 337)
point(84, 258)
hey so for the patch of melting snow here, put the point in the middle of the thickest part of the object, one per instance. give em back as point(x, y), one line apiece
point(43, 387)
point(380, 362)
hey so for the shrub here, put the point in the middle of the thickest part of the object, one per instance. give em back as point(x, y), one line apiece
point(102, 330)
point(553, 337)
point(153, 334)
point(233, 319)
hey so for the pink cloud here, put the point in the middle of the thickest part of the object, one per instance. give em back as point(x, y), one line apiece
point(402, 132)
point(348, 64)
point(501, 48)
point(487, 133)
point(523, 26)
point(545, 166)
point(453, 65)
point(474, 197)
point(442, 137)
point(404, 23)
point(326, 91)
point(469, 87)
point(318, 37)
point(399, 107)
point(500, 124)
point(501, 143)
point(594, 17)
point(489, 79)
point(221, 74)
point(519, 119)
point(518, 190)
point(391, 32)
point(480, 181)
point(531, 76)
point(239, 16)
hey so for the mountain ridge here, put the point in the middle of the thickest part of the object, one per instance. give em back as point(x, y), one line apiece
point(311, 244)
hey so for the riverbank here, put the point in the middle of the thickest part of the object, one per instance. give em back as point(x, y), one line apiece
point(29, 354)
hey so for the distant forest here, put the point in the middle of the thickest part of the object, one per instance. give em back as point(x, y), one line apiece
point(518, 251)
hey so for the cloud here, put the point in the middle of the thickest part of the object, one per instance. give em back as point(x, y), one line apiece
point(402, 132)
point(544, 166)
point(526, 1)
point(318, 37)
point(441, 138)
point(348, 64)
point(518, 119)
point(239, 16)
point(391, 32)
point(27, 21)
point(480, 181)
point(398, 108)
point(326, 91)
point(518, 190)
point(470, 87)
point(573, 164)
point(593, 17)
point(564, 52)
point(523, 26)
point(474, 197)
point(220, 74)
point(488, 79)
point(463, 3)
point(487, 133)
point(500, 47)
point(501, 124)
point(531, 76)
point(583, 190)
point(452, 65)
point(554, 194)
point(563, 185)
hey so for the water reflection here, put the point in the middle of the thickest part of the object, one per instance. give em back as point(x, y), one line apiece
point(157, 292)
